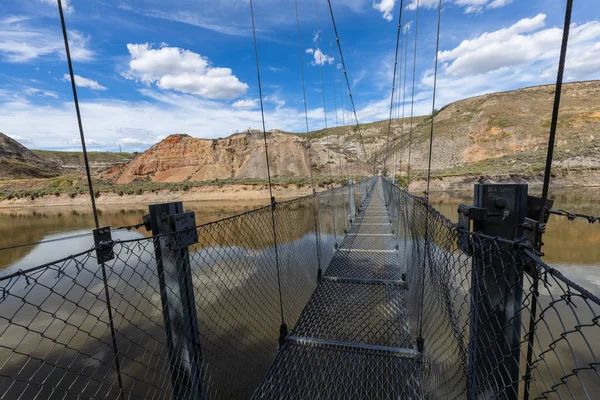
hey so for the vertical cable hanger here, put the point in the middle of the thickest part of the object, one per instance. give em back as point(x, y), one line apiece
point(546, 189)
point(403, 99)
point(345, 119)
point(389, 127)
point(420, 339)
point(396, 114)
point(556, 107)
point(437, 49)
point(312, 180)
point(335, 105)
point(339, 45)
point(322, 85)
point(92, 197)
point(283, 328)
point(78, 112)
point(412, 102)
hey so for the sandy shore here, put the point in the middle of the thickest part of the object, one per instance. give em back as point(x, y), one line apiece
point(226, 196)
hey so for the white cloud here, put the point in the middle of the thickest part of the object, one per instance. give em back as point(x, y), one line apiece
point(21, 139)
point(41, 93)
point(246, 103)
point(386, 7)
point(275, 99)
point(422, 4)
point(524, 44)
point(89, 142)
point(499, 3)
point(183, 71)
point(20, 42)
point(66, 5)
point(138, 124)
point(319, 58)
point(84, 82)
point(470, 6)
point(363, 74)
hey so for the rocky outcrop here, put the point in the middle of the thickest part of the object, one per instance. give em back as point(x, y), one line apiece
point(181, 158)
point(16, 161)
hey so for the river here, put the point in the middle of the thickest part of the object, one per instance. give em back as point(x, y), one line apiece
point(572, 247)
point(567, 244)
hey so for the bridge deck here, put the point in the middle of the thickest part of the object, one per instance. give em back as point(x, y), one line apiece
point(352, 340)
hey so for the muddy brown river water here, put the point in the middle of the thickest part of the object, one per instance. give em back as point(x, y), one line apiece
point(571, 247)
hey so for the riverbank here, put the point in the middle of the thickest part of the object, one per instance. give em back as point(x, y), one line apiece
point(561, 179)
point(224, 194)
point(444, 186)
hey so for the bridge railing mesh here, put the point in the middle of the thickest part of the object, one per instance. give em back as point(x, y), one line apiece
point(549, 329)
point(59, 338)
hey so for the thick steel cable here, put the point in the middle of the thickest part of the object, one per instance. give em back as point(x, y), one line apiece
point(78, 112)
point(412, 103)
point(403, 101)
point(18, 246)
point(312, 180)
point(335, 104)
point(323, 87)
point(397, 110)
point(344, 120)
point(437, 49)
point(426, 239)
point(92, 197)
point(556, 108)
point(393, 85)
point(283, 328)
point(546, 188)
point(339, 45)
point(338, 139)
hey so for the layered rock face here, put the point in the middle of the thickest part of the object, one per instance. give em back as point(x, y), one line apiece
point(16, 161)
point(181, 158)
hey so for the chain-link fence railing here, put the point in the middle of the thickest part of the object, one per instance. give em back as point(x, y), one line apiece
point(490, 318)
point(168, 317)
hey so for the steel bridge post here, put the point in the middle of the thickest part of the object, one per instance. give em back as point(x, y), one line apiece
point(173, 232)
point(352, 215)
point(496, 293)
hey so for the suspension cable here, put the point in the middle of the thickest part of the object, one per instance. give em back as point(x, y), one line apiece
point(412, 103)
point(344, 121)
point(312, 181)
point(335, 104)
point(92, 197)
point(556, 108)
point(420, 340)
point(403, 100)
point(437, 48)
point(339, 45)
point(78, 112)
point(393, 84)
point(323, 87)
point(546, 188)
point(283, 328)
point(314, 191)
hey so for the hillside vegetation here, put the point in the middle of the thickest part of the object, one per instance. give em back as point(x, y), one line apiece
point(496, 137)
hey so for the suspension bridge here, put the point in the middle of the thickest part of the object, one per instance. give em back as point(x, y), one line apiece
point(358, 291)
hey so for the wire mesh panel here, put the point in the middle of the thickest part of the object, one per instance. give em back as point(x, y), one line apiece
point(401, 311)
point(474, 322)
point(56, 332)
point(353, 338)
point(79, 329)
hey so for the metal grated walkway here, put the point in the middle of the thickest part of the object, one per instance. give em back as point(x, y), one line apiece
point(352, 340)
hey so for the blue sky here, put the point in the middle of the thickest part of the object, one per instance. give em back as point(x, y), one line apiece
point(150, 68)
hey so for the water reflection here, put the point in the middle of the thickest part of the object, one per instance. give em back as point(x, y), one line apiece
point(32, 225)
